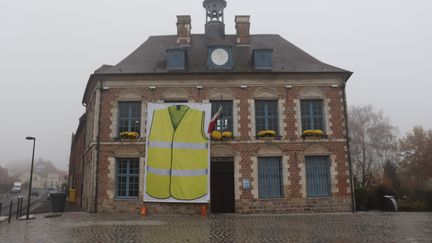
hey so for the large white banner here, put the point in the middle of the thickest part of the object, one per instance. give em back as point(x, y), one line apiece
point(177, 153)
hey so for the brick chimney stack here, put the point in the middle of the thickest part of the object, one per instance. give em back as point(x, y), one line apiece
point(184, 29)
point(242, 26)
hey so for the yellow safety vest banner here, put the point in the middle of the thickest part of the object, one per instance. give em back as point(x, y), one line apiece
point(177, 153)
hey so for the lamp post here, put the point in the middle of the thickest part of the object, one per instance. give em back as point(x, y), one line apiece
point(31, 176)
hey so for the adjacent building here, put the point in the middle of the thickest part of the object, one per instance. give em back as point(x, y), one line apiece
point(42, 180)
point(263, 82)
point(4, 175)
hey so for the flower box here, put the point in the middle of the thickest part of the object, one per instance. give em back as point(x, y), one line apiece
point(313, 134)
point(129, 135)
point(218, 136)
point(266, 134)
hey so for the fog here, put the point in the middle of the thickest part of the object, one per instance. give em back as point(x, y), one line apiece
point(48, 49)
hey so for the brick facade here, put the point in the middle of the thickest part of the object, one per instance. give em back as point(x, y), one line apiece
point(248, 148)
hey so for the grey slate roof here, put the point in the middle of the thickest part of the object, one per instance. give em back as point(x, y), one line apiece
point(151, 56)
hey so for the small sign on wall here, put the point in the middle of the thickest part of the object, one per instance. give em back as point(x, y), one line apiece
point(246, 184)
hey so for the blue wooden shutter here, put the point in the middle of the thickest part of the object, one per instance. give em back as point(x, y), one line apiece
point(270, 177)
point(318, 176)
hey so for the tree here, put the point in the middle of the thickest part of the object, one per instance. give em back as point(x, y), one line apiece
point(416, 158)
point(391, 176)
point(373, 141)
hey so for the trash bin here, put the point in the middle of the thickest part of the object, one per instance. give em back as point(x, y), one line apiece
point(72, 195)
point(58, 201)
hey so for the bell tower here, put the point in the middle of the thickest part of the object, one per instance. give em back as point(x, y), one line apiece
point(215, 17)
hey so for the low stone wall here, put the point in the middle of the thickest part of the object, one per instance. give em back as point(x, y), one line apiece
point(294, 205)
point(134, 207)
point(242, 206)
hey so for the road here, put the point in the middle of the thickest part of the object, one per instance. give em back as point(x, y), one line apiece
point(6, 198)
point(368, 227)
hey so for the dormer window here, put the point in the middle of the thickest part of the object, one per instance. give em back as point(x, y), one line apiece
point(263, 59)
point(176, 59)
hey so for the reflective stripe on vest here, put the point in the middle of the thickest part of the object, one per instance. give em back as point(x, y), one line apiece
point(177, 145)
point(164, 172)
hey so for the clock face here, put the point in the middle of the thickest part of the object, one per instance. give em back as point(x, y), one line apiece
point(219, 56)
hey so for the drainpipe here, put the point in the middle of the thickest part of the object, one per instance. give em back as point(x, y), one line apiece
point(348, 147)
point(82, 160)
point(98, 146)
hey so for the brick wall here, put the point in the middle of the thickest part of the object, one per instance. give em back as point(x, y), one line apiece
point(76, 160)
point(291, 145)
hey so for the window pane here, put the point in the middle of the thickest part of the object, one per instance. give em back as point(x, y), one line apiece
point(225, 123)
point(312, 115)
point(270, 177)
point(133, 186)
point(129, 117)
point(266, 115)
point(318, 176)
point(127, 177)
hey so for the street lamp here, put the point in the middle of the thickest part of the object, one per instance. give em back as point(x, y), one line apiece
point(31, 175)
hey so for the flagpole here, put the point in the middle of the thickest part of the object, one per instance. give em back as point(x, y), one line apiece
point(221, 115)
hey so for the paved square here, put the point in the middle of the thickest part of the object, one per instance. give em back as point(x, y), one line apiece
point(343, 227)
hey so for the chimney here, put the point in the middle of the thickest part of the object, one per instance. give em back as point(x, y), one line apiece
point(242, 26)
point(184, 29)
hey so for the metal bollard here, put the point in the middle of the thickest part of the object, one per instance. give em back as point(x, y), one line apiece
point(10, 211)
point(18, 203)
point(0, 208)
point(20, 211)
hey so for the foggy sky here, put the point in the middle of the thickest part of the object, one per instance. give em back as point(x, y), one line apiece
point(48, 49)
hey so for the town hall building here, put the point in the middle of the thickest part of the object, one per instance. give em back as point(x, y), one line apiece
point(285, 146)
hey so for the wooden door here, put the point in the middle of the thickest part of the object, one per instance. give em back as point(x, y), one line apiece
point(222, 186)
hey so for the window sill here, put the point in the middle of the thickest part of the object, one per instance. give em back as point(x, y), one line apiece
point(224, 140)
point(128, 139)
point(272, 198)
point(319, 198)
point(269, 138)
point(126, 198)
point(315, 137)
point(323, 138)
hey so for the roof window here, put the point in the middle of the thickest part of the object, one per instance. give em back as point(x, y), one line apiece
point(263, 59)
point(176, 59)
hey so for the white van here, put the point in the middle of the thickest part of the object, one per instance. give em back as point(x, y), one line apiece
point(16, 187)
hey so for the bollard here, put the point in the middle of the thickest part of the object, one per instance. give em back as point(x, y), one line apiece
point(20, 210)
point(18, 203)
point(0, 208)
point(10, 211)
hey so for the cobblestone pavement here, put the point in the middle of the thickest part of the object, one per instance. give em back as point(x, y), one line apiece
point(344, 227)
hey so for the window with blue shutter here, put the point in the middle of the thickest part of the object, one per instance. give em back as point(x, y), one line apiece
point(266, 115)
point(127, 178)
point(176, 59)
point(270, 177)
point(318, 176)
point(129, 117)
point(263, 59)
point(225, 122)
point(312, 115)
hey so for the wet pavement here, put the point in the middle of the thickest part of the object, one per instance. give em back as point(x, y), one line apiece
point(334, 227)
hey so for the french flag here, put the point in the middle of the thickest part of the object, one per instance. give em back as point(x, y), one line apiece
point(212, 124)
